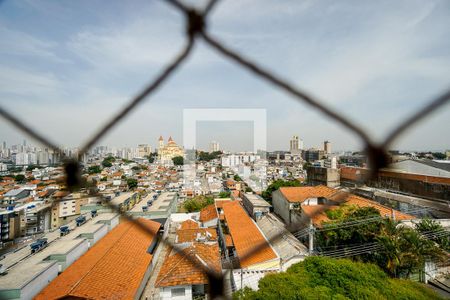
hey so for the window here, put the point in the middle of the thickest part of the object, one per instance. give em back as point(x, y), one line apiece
point(177, 292)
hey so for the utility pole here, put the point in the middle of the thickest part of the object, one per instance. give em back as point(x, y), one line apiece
point(311, 237)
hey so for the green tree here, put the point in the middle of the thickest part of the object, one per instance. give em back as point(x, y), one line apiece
point(336, 233)
point(237, 178)
point(151, 158)
point(224, 194)
point(197, 203)
point(94, 169)
point(267, 194)
point(178, 160)
point(132, 183)
point(404, 250)
point(107, 162)
point(439, 155)
point(327, 278)
point(435, 232)
point(20, 178)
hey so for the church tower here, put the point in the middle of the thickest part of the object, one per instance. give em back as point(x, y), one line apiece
point(161, 142)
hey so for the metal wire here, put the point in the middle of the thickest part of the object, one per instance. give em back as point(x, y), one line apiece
point(196, 29)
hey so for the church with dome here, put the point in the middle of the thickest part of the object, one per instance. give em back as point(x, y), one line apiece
point(168, 151)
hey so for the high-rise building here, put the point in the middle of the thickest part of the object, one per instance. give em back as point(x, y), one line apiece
point(144, 150)
point(293, 144)
point(214, 146)
point(327, 147)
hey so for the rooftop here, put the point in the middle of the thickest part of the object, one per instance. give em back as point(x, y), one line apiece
point(178, 270)
point(256, 200)
point(98, 275)
point(191, 235)
point(246, 235)
point(121, 198)
point(287, 245)
point(208, 213)
point(302, 193)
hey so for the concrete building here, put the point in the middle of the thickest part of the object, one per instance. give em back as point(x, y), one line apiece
point(294, 144)
point(28, 274)
point(327, 147)
point(425, 186)
point(143, 150)
point(312, 155)
point(214, 146)
point(125, 201)
point(325, 176)
point(423, 167)
point(297, 206)
point(38, 219)
point(255, 205)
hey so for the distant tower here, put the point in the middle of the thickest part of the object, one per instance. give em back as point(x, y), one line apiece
point(293, 144)
point(214, 146)
point(160, 142)
point(327, 147)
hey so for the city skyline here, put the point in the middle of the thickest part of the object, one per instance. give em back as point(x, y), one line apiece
point(374, 62)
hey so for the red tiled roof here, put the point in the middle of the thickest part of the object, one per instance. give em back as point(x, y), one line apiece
point(178, 270)
point(112, 269)
point(189, 224)
point(246, 235)
point(228, 240)
point(190, 235)
point(301, 193)
point(219, 203)
point(318, 215)
point(208, 213)
point(60, 194)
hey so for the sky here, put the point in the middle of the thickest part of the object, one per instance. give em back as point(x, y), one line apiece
point(68, 66)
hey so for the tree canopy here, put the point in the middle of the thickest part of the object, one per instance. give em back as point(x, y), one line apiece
point(178, 160)
point(327, 278)
point(207, 156)
point(399, 250)
point(197, 203)
point(267, 194)
point(94, 169)
point(224, 194)
point(132, 183)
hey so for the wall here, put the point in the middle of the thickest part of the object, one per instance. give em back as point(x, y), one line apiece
point(101, 232)
point(165, 293)
point(281, 206)
point(75, 253)
point(33, 287)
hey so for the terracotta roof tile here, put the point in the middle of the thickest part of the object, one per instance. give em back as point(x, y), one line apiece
point(178, 270)
point(318, 215)
point(246, 235)
point(208, 213)
point(189, 224)
point(228, 240)
point(301, 193)
point(112, 269)
point(219, 203)
point(190, 235)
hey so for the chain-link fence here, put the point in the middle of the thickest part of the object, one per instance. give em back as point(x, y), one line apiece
point(222, 283)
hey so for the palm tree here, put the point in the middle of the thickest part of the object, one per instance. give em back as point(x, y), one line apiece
point(404, 250)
